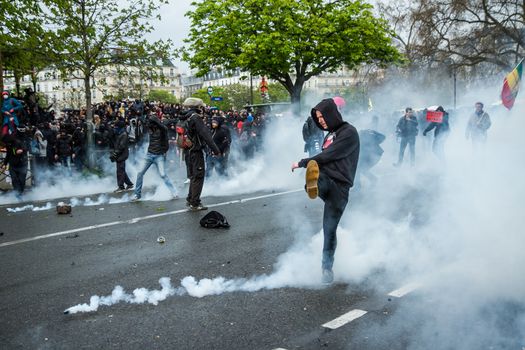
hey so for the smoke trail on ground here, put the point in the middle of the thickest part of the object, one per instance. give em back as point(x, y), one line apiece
point(138, 296)
point(296, 268)
point(30, 207)
point(75, 202)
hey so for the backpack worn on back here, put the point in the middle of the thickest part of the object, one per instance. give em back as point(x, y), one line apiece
point(184, 140)
point(214, 219)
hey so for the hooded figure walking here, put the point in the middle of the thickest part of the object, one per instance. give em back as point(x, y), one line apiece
point(330, 174)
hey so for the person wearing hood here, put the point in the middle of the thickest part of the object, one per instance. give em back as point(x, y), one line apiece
point(157, 149)
point(441, 131)
point(222, 138)
point(119, 155)
point(200, 136)
point(16, 158)
point(10, 107)
point(330, 174)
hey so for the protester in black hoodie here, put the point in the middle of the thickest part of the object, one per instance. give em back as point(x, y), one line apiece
point(199, 135)
point(16, 158)
point(119, 155)
point(158, 146)
point(441, 131)
point(222, 138)
point(330, 174)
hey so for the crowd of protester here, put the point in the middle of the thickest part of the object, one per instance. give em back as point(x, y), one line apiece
point(58, 141)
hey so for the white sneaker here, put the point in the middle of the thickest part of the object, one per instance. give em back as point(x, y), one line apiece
point(328, 277)
point(187, 181)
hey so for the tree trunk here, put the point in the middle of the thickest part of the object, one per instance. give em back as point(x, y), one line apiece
point(89, 121)
point(34, 79)
point(17, 82)
point(295, 98)
point(1, 71)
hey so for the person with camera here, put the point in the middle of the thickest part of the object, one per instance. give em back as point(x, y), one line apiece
point(157, 149)
point(119, 155)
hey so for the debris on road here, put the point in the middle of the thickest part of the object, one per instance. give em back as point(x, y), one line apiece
point(63, 208)
point(161, 239)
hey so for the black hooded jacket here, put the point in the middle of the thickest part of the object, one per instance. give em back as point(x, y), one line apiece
point(158, 136)
point(198, 132)
point(339, 159)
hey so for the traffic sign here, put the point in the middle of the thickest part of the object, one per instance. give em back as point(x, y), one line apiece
point(216, 98)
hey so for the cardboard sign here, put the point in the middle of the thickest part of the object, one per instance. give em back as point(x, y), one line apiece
point(434, 117)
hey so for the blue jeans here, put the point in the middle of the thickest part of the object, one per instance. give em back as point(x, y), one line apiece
point(158, 160)
point(411, 142)
point(335, 197)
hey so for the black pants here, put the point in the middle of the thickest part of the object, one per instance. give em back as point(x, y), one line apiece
point(122, 176)
point(335, 197)
point(18, 178)
point(197, 171)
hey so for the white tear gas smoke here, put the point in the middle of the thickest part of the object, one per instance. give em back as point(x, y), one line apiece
point(139, 296)
point(267, 170)
point(454, 224)
point(30, 207)
point(75, 202)
point(295, 268)
point(56, 183)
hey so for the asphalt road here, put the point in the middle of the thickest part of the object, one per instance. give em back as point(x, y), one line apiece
point(51, 262)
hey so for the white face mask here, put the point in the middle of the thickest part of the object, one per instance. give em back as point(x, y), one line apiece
point(5, 97)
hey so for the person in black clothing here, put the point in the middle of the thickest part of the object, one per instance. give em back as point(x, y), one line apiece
point(16, 158)
point(222, 138)
point(78, 140)
point(51, 136)
point(441, 131)
point(312, 136)
point(63, 150)
point(330, 174)
point(200, 135)
point(158, 146)
point(407, 131)
point(119, 155)
point(370, 153)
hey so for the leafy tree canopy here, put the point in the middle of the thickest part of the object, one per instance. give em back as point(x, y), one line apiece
point(161, 96)
point(286, 39)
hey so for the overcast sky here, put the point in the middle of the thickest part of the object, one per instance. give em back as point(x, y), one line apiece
point(174, 26)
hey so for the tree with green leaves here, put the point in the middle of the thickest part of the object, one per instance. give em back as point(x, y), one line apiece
point(236, 96)
point(20, 25)
point(288, 41)
point(94, 34)
point(161, 96)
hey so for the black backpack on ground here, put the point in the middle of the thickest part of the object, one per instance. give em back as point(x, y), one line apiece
point(214, 219)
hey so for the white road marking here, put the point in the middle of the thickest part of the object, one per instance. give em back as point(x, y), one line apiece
point(135, 220)
point(398, 293)
point(344, 319)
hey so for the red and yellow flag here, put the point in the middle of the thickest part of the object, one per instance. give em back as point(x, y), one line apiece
point(511, 86)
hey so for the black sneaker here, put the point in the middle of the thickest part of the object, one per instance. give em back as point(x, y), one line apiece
point(129, 187)
point(198, 207)
point(119, 190)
